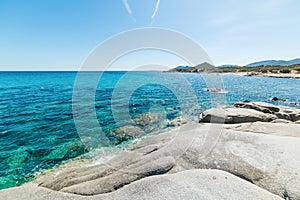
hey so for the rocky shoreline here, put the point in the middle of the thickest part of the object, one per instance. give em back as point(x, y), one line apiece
point(246, 151)
point(271, 75)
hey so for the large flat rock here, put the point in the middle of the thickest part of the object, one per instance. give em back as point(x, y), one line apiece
point(280, 129)
point(31, 191)
point(268, 161)
point(192, 184)
point(189, 184)
point(231, 115)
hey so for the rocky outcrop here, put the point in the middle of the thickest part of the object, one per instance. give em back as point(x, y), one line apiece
point(189, 184)
point(140, 125)
point(192, 184)
point(255, 157)
point(123, 176)
point(177, 122)
point(251, 112)
point(259, 106)
point(280, 129)
point(128, 131)
point(281, 112)
point(281, 121)
point(288, 113)
point(231, 115)
point(247, 155)
point(216, 90)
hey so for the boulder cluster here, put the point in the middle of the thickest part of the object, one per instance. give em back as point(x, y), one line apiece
point(251, 112)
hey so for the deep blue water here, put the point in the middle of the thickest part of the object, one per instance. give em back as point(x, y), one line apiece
point(37, 129)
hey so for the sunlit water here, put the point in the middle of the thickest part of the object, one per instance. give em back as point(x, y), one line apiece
point(37, 129)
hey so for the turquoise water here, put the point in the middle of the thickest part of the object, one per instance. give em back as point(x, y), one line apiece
point(37, 129)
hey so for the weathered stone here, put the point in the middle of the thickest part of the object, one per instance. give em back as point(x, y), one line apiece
point(177, 122)
point(282, 112)
point(190, 184)
point(150, 121)
point(256, 152)
point(235, 115)
point(268, 161)
point(281, 121)
point(291, 114)
point(259, 106)
point(129, 130)
point(122, 177)
point(280, 129)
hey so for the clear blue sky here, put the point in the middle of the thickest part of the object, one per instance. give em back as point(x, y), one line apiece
point(59, 34)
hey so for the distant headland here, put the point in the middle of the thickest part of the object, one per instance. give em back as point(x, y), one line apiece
point(267, 68)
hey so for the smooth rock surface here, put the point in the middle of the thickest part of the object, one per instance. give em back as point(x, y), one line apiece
point(281, 121)
point(192, 184)
point(259, 106)
point(189, 184)
point(229, 115)
point(270, 162)
point(280, 129)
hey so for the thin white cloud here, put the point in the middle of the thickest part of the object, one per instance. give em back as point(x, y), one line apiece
point(127, 6)
point(156, 9)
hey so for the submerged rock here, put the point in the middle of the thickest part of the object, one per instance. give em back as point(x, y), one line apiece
point(149, 118)
point(177, 122)
point(127, 132)
point(140, 125)
point(277, 99)
point(216, 90)
point(150, 121)
point(20, 156)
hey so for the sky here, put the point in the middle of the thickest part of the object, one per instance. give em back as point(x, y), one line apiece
point(60, 34)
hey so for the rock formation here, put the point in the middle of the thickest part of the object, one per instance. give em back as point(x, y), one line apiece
point(247, 158)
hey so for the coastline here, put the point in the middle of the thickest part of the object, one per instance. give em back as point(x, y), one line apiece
point(243, 156)
point(257, 74)
point(275, 71)
point(280, 75)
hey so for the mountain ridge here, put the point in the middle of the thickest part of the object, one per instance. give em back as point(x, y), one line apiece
point(254, 64)
point(275, 62)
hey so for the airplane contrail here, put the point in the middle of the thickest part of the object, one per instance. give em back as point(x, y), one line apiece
point(156, 9)
point(127, 6)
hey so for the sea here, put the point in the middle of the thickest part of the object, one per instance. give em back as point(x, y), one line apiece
point(42, 122)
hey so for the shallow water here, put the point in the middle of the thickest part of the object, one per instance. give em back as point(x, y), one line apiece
point(37, 129)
